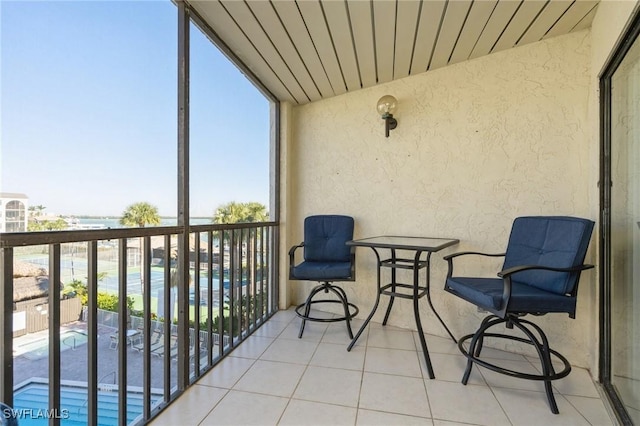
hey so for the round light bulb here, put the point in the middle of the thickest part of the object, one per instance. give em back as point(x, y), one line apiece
point(387, 105)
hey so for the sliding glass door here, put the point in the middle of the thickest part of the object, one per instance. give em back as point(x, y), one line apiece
point(621, 218)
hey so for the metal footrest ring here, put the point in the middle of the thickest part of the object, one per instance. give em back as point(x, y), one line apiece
point(350, 310)
point(352, 314)
point(564, 373)
point(541, 345)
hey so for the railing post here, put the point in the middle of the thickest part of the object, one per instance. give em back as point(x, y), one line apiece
point(92, 329)
point(122, 332)
point(221, 302)
point(146, 313)
point(54, 331)
point(168, 316)
point(6, 324)
point(196, 308)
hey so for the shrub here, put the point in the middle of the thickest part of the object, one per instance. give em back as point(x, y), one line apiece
point(76, 288)
point(109, 302)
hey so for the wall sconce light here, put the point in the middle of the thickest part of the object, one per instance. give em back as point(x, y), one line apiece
point(386, 107)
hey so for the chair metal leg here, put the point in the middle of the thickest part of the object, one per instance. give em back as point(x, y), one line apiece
point(542, 347)
point(350, 310)
point(343, 298)
point(476, 344)
point(544, 352)
point(307, 307)
point(478, 348)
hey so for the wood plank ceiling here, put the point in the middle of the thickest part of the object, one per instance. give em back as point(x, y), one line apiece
point(306, 50)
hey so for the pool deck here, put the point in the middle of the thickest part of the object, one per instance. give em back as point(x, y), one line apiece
point(72, 361)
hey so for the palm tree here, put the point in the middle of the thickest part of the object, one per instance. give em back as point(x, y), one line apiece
point(230, 213)
point(257, 212)
point(140, 214)
point(36, 210)
point(234, 212)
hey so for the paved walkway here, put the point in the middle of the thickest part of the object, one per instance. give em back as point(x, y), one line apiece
point(74, 362)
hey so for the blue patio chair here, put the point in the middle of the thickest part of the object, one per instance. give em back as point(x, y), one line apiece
point(540, 274)
point(327, 259)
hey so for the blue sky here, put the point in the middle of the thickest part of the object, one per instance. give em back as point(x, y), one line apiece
point(88, 111)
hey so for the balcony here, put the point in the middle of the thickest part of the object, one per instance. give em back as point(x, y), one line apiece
point(275, 378)
point(264, 374)
point(481, 138)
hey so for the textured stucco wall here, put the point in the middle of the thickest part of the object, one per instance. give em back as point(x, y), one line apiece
point(477, 144)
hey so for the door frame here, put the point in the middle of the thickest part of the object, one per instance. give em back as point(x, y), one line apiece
point(630, 35)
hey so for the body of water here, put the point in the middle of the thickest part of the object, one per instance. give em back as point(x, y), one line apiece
point(32, 400)
point(114, 222)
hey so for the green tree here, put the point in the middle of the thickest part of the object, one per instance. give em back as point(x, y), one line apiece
point(39, 222)
point(235, 212)
point(140, 214)
point(46, 225)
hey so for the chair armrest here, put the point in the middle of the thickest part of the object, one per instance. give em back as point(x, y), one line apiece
point(449, 258)
point(510, 271)
point(464, 253)
point(507, 273)
point(292, 252)
point(294, 248)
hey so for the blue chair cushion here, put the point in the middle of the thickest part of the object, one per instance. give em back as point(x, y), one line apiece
point(319, 271)
point(487, 293)
point(325, 237)
point(556, 241)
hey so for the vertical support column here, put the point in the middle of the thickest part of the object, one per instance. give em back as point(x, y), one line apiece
point(221, 294)
point(92, 329)
point(168, 316)
point(122, 332)
point(272, 247)
point(54, 331)
point(183, 195)
point(6, 325)
point(196, 309)
point(263, 277)
point(276, 205)
point(254, 276)
point(243, 307)
point(210, 297)
point(232, 286)
point(146, 314)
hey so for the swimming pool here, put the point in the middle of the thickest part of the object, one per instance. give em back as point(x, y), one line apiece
point(69, 339)
point(33, 399)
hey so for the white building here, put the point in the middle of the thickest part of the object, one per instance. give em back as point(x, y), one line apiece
point(13, 212)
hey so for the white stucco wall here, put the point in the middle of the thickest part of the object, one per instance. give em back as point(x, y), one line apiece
point(478, 144)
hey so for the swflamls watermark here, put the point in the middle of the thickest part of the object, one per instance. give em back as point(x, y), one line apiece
point(11, 416)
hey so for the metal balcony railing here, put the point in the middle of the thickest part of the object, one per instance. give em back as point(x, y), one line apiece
point(179, 303)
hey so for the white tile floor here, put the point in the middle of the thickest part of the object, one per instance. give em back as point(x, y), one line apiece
point(276, 378)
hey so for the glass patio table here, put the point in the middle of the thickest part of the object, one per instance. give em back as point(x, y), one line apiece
point(412, 248)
